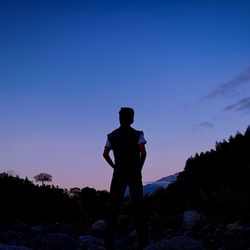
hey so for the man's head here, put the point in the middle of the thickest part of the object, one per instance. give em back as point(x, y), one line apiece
point(126, 116)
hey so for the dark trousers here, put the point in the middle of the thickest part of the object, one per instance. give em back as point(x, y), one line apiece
point(119, 183)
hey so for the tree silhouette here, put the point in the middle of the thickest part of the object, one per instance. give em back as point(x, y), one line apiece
point(43, 177)
point(74, 192)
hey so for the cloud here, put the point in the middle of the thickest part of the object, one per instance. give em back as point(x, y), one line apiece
point(229, 87)
point(241, 105)
point(202, 126)
point(206, 124)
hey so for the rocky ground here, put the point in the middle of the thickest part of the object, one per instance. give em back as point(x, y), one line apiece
point(193, 234)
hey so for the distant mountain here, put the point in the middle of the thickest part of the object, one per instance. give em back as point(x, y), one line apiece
point(161, 183)
point(151, 187)
point(171, 178)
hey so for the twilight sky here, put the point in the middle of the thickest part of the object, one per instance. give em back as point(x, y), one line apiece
point(68, 66)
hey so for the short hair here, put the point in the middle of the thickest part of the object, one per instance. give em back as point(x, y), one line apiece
point(126, 115)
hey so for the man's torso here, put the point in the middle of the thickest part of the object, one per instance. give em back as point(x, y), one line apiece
point(124, 143)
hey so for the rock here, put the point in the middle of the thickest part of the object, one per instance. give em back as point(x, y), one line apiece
point(133, 234)
point(58, 228)
point(191, 218)
point(60, 241)
point(218, 233)
point(13, 247)
point(232, 229)
point(237, 237)
point(125, 241)
point(177, 243)
point(37, 229)
point(8, 236)
point(98, 228)
point(96, 248)
point(87, 241)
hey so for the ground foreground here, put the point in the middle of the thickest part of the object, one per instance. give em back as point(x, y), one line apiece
point(193, 233)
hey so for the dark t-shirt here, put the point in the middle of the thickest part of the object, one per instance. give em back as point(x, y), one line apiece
point(124, 143)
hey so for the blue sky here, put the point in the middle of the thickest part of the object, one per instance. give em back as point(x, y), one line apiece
point(68, 66)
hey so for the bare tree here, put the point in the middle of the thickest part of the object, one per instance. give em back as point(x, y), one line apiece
point(43, 177)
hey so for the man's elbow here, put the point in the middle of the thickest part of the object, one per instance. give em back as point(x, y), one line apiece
point(105, 155)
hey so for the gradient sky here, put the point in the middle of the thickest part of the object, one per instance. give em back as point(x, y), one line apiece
point(68, 66)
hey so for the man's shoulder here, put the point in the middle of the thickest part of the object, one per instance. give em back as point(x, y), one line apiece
point(119, 131)
point(114, 132)
point(139, 132)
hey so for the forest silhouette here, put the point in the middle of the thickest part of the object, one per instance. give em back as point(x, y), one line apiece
point(215, 182)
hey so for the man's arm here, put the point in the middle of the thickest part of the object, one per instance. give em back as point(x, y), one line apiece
point(107, 157)
point(143, 154)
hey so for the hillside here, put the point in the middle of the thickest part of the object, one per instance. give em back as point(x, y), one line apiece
point(215, 182)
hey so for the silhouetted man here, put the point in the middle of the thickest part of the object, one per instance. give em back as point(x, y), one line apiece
point(128, 146)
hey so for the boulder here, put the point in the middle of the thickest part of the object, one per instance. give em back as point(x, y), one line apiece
point(191, 218)
point(98, 228)
point(233, 229)
point(177, 243)
point(13, 247)
point(58, 228)
point(60, 241)
point(8, 236)
point(87, 242)
point(37, 229)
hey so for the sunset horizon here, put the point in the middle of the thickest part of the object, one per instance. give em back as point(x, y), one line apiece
point(67, 67)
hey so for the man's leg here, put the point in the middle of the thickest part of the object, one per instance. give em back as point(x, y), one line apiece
point(136, 192)
point(117, 190)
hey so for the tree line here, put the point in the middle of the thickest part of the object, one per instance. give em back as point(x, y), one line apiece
point(215, 182)
point(23, 201)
